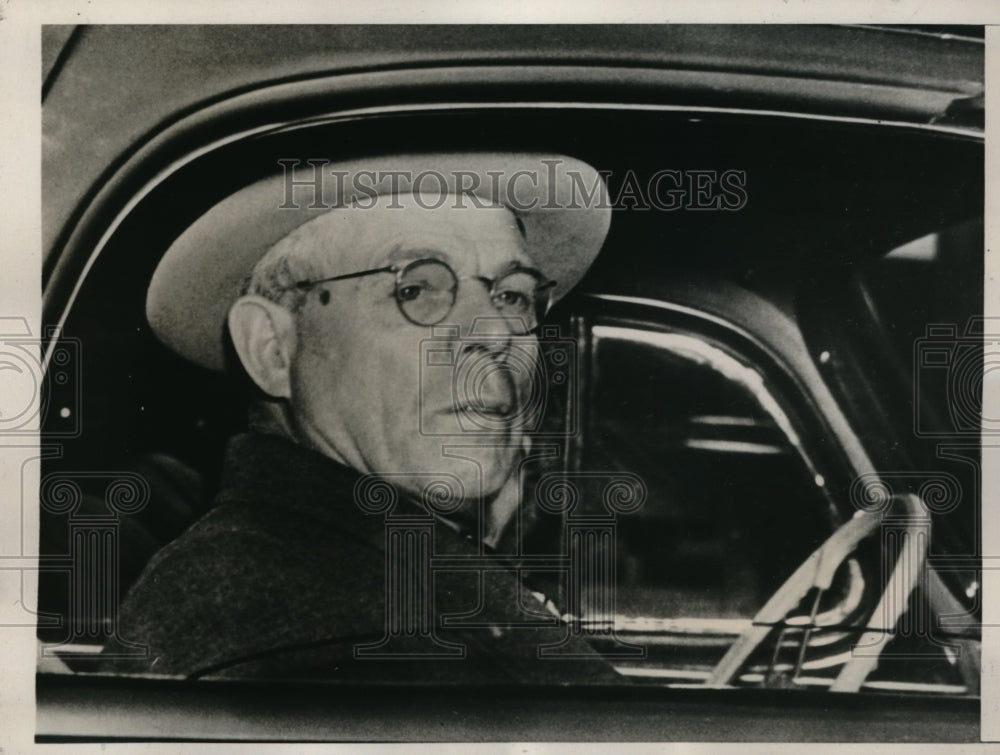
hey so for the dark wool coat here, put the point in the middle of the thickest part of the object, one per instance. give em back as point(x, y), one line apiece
point(286, 577)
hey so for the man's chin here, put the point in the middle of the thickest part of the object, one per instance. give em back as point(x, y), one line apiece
point(474, 471)
point(450, 478)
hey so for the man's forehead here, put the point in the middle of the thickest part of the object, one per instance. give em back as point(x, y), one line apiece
point(402, 227)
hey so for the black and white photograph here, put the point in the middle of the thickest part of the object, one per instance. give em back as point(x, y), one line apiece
point(505, 382)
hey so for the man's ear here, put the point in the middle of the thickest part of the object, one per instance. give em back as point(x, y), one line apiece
point(263, 335)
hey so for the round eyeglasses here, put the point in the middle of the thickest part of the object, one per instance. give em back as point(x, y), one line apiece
point(426, 290)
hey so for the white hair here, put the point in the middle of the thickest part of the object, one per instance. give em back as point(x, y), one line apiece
point(294, 258)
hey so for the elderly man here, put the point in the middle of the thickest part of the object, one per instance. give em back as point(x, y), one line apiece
point(362, 464)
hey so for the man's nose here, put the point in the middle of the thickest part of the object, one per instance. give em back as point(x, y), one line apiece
point(481, 326)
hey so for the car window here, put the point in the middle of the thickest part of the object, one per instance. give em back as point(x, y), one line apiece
point(902, 336)
point(730, 501)
point(725, 483)
point(693, 503)
point(727, 506)
point(927, 297)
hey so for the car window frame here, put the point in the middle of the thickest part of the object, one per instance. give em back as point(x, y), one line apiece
point(832, 422)
point(805, 412)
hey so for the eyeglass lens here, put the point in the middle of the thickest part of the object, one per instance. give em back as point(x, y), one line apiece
point(426, 291)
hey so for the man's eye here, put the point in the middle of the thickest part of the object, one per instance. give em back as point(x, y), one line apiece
point(409, 292)
point(512, 300)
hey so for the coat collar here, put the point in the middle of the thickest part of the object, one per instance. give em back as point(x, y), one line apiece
point(273, 471)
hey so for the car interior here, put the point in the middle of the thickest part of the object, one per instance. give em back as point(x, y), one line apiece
point(847, 241)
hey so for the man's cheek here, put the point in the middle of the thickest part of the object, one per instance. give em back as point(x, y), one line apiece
point(396, 373)
point(524, 366)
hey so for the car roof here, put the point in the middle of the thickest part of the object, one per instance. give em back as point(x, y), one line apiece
point(125, 84)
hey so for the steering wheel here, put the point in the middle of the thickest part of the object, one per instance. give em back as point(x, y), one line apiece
point(817, 572)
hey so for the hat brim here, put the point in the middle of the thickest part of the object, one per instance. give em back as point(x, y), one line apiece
point(560, 201)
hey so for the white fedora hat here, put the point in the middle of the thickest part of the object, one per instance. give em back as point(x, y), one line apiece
point(560, 203)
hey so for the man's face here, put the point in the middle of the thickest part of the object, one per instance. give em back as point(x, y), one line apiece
point(360, 392)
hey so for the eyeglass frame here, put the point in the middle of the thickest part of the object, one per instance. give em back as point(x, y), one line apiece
point(545, 284)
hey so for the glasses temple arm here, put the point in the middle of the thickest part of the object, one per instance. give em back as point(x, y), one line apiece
point(346, 276)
